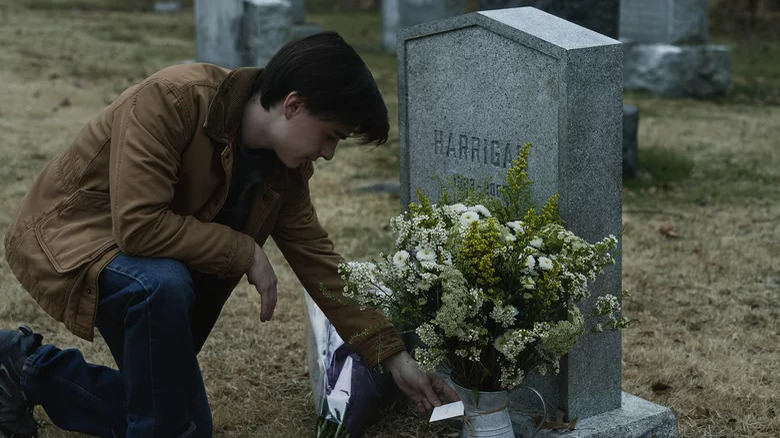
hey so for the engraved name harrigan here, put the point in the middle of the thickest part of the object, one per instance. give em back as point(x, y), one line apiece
point(474, 149)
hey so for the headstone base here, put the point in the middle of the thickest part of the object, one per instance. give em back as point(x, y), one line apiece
point(700, 71)
point(637, 418)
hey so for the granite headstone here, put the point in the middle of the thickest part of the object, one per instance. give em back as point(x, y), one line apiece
point(236, 33)
point(297, 11)
point(218, 32)
point(664, 21)
point(266, 28)
point(301, 27)
point(666, 50)
point(170, 6)
point(630, 144)
point(472, 90)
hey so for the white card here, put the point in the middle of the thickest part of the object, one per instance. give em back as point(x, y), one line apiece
point(447, 411)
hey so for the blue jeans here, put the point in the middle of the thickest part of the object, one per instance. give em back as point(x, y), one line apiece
point(154, 318)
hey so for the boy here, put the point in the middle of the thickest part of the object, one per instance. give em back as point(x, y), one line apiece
point(146, 223)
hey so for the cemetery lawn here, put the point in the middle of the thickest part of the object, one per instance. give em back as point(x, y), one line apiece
point(701, 253)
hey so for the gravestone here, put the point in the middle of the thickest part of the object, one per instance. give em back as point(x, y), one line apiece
point(666, 50)
point(664, 21)
point(630, 144)
point(300, 27)
point(237, 33)
point(601, 16)
point(700, 71)
point(472, 90)
point(297, 11)
point(171, 6)
point(398, 14)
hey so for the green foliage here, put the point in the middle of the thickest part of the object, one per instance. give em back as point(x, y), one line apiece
point(478, 254)
point(516, 195)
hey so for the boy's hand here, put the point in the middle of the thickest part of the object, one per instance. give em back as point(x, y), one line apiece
point(428, 390)
point(261, 274)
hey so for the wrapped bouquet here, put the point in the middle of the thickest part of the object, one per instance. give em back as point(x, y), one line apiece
point(347, 394)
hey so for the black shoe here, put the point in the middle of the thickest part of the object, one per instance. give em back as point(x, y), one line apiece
point(16, 413)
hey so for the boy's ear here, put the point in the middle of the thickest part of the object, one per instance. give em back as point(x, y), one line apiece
point(293, 104)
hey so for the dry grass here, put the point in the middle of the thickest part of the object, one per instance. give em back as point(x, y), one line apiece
point(707, 343)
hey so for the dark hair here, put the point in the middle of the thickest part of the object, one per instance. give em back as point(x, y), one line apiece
point(332, 79)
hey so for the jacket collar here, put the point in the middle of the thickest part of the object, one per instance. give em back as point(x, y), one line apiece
point(227, 107)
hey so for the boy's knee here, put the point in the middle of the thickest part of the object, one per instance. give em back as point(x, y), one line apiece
point(170, 279)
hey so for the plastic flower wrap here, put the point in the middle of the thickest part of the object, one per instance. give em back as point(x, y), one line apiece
point(347, 394)
point(490, 286)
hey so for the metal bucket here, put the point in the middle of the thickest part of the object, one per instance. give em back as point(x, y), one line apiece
point(486, 417)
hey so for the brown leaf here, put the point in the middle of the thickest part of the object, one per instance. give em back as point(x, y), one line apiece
point(660, 387)
point(558, 424)
point(668, 231)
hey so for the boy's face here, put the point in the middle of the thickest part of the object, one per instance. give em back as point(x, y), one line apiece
point(295, 134)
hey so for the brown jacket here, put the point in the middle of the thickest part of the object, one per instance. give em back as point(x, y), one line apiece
point(146, 177)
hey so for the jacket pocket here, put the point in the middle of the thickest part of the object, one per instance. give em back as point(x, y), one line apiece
point(78, 231)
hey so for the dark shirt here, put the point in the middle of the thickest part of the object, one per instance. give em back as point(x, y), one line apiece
point(249, 168)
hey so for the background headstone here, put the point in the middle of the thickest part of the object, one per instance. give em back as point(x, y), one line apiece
point(297, 11)
point(602, 16)
point(398, 14)
point(700, 71)
point(237, 33)
point(630, 135)
point(218, 32)
point(266, 28)
point(664, 21)
point(666, 50)
point(300, 27)
point(171, 6)
point(472, 90)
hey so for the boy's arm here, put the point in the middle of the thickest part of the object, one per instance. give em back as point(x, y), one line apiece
point(306, 246)
point(150, 129)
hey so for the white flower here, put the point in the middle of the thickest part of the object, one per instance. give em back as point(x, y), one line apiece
point(536, 243)
point(481, 209)
point(400, 258)
point(510, 237)
point(425, 254)
point(528, 283)
point(545, 263)
point(517, 226)
point(530, 262)
point(458, 208)
point(468, 217)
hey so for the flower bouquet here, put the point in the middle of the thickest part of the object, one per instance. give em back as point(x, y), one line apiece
point(490, 285)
